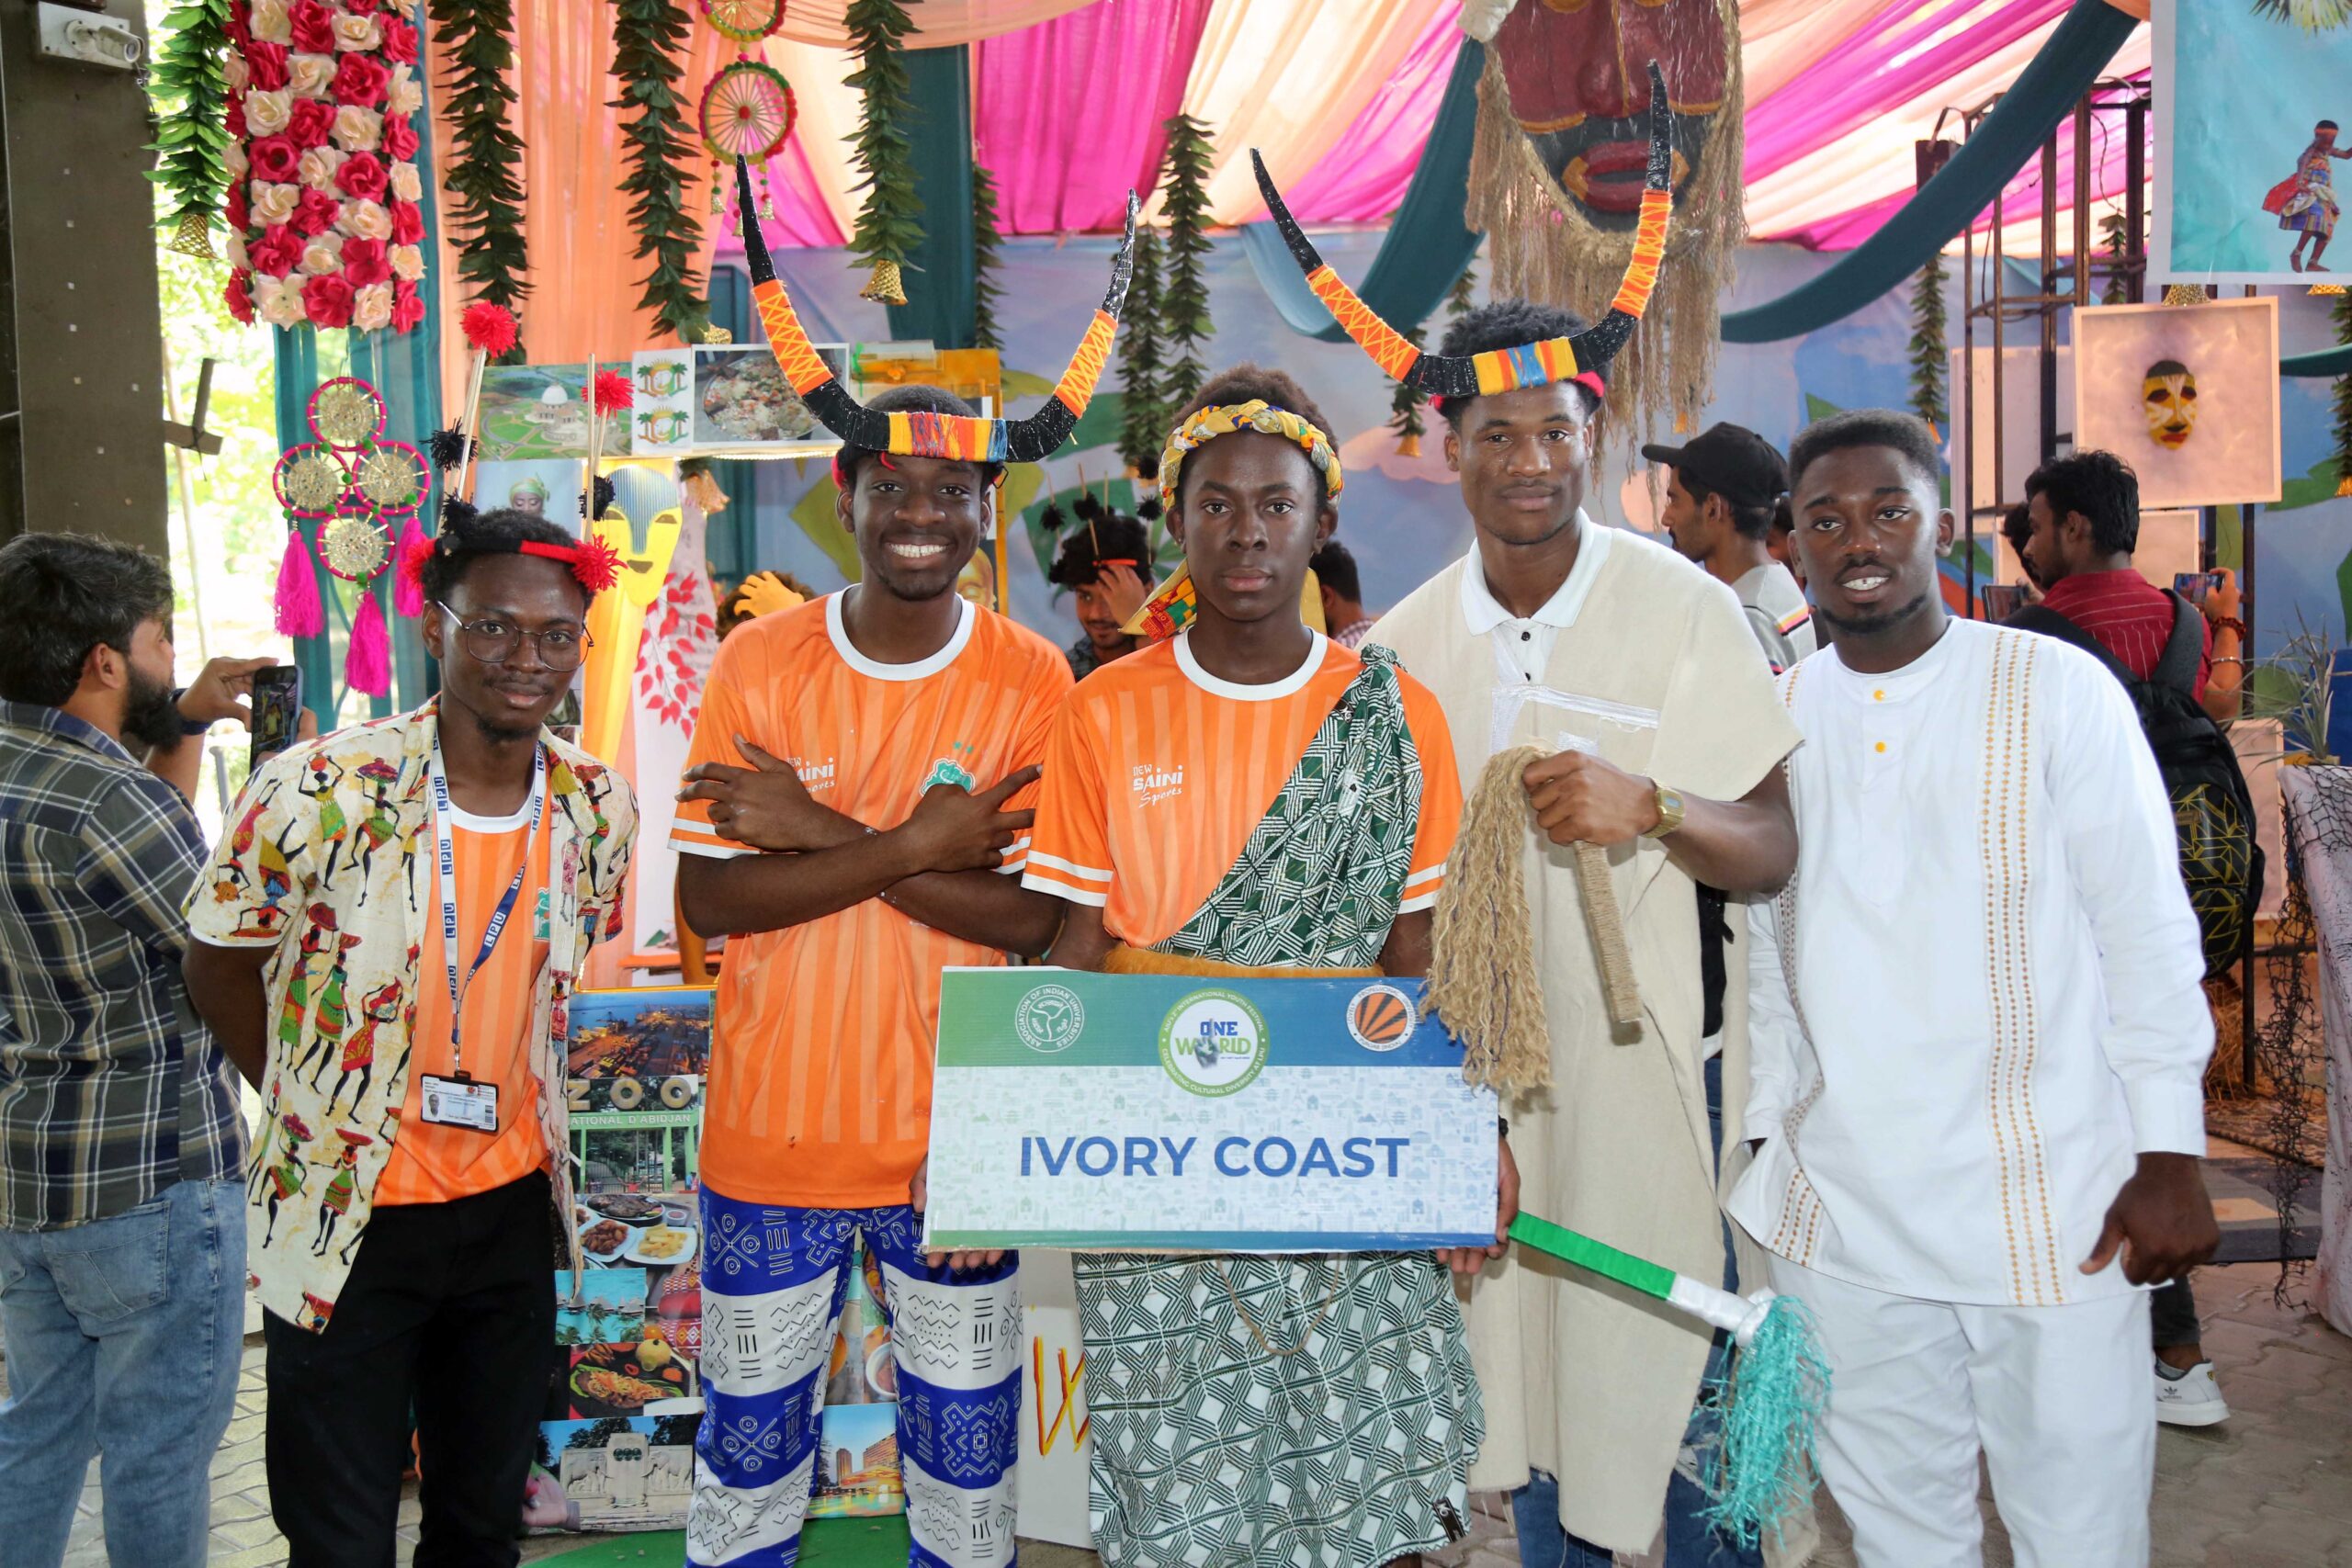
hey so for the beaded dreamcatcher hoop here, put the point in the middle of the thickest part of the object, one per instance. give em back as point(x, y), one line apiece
point(357, 487)
point(748, 110)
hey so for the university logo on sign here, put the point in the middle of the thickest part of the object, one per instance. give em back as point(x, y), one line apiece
point(1050, 1019)
point(1380, 1017)
point(1212, 1043)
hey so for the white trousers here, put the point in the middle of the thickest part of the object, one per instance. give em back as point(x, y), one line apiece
point(2056, 1398)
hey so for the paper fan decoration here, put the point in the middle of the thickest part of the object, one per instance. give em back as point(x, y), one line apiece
point(743, 21)
point(358, 488)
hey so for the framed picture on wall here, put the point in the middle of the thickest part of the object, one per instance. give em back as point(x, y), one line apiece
point(2188, 395)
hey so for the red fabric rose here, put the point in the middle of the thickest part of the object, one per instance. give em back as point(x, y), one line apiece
point(314, 213)
point(239, 296)
point(237, 208)
point(400, 41)
point(407, 308)
point(313, 27)
point(235, 119)
point(399, 138)
point(362, 177)
point(362, 81)
point(359, 8)
point(277, 252)
point(310, 122)
point(240, 30)
point(326, 300)
point(365, 262)
point(274, 159)
point(408, 223)
point(266, 64)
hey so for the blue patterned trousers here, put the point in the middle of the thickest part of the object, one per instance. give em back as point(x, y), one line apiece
point(773, 1280)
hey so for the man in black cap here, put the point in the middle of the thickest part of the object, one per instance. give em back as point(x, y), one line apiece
point(1719, 505)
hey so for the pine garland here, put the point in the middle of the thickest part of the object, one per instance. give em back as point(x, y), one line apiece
point(1185, 293)
point(1406, 406)
point(1143, 425)
point(1460, 299)
point(2119, 283)
point(986, 242)
point(888, 225)
point(647, 36)
point(1929, 352)
point(190, 90)
point(2343, 316)
point(483, 171)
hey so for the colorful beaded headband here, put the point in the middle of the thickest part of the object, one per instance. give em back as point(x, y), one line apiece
point(960, 437)
point(1582, 358)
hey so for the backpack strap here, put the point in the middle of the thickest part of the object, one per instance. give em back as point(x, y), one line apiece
point(2047, 622)
point(2184, 650)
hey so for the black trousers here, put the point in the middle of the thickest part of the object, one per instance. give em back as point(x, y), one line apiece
point(2172, 1315)
point(449, 1309)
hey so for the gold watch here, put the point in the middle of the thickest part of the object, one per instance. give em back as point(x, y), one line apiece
point(1669, 813)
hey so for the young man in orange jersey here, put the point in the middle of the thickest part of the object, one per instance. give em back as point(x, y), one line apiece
point(854, 819)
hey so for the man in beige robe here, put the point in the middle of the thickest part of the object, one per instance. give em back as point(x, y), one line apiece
point(1638, 670)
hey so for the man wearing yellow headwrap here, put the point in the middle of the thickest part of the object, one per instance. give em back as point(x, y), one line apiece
point(1246, 796)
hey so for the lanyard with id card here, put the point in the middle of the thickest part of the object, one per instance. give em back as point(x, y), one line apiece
point(460, 1101)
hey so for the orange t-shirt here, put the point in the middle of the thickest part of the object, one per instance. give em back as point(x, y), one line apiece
point(819, 1087)
point(431, 1164)
point(1159, 772)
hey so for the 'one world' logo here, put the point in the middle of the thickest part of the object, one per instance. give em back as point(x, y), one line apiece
point(1212, 1043)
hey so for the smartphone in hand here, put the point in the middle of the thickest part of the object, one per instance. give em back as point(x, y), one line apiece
point(2194, 586)
point(277, 710)
point(2001, 600)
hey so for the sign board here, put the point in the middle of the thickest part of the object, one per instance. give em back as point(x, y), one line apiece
point(1170, 1112)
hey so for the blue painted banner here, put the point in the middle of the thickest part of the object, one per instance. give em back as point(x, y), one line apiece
point(1167, 1113)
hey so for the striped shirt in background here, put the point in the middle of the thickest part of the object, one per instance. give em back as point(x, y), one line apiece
point(110, 1090)
point(2130, 614)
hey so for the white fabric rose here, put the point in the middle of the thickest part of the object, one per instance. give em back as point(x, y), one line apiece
point(323, 255)
point(269, 24)
point(408, 261)
point(352, 33)
point(372, 306)
point(310, 75)
point(406, 95)
point(357, 129)
point(317, 169)
point(237, 251)
point(369, 219)
point(405, 184)
point(266, 113)
point(235, 74)
point(278, 300)
point(232, 158)
point(272, 204)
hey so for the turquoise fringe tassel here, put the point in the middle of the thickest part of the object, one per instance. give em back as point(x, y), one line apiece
point(1762, 1469)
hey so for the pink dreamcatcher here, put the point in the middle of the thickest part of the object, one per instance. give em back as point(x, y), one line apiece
point(748, 110)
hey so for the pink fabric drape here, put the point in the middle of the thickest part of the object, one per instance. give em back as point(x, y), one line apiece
point(1067, 115)
point(939, 24)
point(1363, 175)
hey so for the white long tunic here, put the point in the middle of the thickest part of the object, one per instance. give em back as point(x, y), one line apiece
point(1996, 1001)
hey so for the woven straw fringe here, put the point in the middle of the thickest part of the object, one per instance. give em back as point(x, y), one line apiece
point(884, 285)
point(1541, 247)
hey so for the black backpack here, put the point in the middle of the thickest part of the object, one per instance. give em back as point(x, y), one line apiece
point(2213, 810)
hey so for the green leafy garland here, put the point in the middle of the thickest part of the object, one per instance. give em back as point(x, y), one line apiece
point(648, 36)
point(1461, 297)
point(1184, 294)
point(986, 241)
point(1929, 353)
point(889, 226)
point(190, 90)
point(481, 171)
point(1408, 409)
point(2343, 315)
point(1143, 419)
point(2111, 230)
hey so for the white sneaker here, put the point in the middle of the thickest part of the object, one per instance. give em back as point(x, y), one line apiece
point(2192, 1399)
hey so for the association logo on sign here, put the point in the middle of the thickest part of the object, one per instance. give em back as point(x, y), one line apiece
point(1214, 1042)
point(1050, 1019)
point(1380, 1017)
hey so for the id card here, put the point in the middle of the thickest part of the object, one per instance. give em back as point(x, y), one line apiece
point(460, 1102)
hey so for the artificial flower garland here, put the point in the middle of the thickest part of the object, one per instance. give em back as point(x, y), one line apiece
point(325, 225)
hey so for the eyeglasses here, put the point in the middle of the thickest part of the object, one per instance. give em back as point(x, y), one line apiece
point(494, 641)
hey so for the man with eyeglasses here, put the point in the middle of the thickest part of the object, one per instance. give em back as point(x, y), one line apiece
point(387, 941)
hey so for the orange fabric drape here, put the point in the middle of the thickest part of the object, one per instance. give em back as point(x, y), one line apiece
point(584, 276)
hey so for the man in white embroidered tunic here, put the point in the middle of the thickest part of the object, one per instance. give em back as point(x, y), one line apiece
point(1979, 1045)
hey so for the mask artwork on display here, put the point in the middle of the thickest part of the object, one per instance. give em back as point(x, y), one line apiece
point(2170, 390)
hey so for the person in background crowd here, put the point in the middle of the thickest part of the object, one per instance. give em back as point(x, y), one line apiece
point(1640, 673)
point(855, 821)
point(2085, 512)
point(1726, 485)
point(1777, 540)
point(1966, 1169)
point(387, 942)
point(1105, 562)
point(1342, 590)
point(1273, 749)
point(2017, 527)
point(122, 1242)
point(2083, 523)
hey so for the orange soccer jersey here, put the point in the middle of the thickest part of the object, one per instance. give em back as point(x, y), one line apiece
point(1159, 773)
point(432, 1163)
point(820, 1089)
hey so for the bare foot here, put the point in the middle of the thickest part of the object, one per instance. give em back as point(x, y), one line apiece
point(2296, 261)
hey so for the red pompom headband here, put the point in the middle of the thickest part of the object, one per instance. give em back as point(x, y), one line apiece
point(595, 564)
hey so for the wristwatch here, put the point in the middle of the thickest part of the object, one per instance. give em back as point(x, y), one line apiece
point(1669, 813)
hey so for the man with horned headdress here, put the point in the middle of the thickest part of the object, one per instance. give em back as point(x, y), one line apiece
point(1654, 734)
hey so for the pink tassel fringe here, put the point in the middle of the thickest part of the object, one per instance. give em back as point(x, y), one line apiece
point(407, 594)
point(300, 611)
point(368, 664)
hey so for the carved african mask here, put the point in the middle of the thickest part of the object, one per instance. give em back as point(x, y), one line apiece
point(2169, 390)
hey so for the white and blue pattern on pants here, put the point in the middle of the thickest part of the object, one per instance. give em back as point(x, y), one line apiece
point(773, 1280)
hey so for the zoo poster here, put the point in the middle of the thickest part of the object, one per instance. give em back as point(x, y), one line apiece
point(2252, 128)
